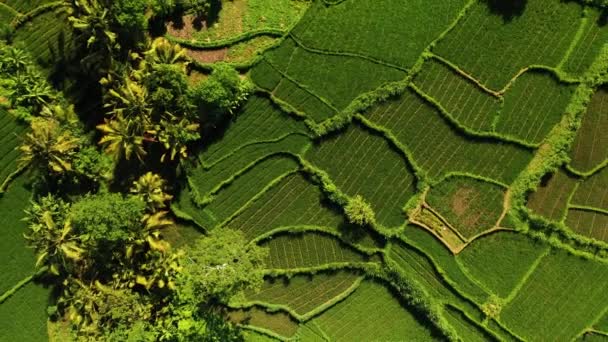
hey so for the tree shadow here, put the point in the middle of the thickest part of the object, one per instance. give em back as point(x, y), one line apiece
point(507, 9)
point(208, 19)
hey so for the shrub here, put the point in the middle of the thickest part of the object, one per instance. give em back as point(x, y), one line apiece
point(359, 212)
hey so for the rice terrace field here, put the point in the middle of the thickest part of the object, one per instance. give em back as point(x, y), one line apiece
point(420, 170)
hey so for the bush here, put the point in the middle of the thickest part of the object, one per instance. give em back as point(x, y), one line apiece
point(223, 92)
point(223, 264)
point(359, 212)
point(108, 218)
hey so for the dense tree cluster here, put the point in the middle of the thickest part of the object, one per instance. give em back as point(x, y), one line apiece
point(99, 239)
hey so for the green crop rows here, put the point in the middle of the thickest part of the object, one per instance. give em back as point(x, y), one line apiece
point(448, 119)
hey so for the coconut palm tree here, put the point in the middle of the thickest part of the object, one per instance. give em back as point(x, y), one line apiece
point(164, 52)
point(121, 139)
point(47, 147)
point(91, 19)
point(175, 134)
point(130, 101)
point(151, 188)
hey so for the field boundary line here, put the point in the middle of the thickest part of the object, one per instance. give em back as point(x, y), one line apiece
point(461, 129)
point(322, 230)
point(300, 229)
point(588, 208)
point(525, 277)
point(564, 214)
point(472, 321)
point(323, 333)
point(18, 21)
point(428, 207)
point(290, 110)
point(363, 266)
point(458, 174)
point(241, 66)
point(336, 53)
point(10, 292)
point(584, 22)
point(490, 231)
point(10, 9)
point(11, 177)
point(474, 280)
point(255, 142)
point(320, 309)
point(245, 205)
point(388, 135)
point(444, 277)
point(470, 78)
point(264, 331)
point(422, 225)
point(559, 76)
point(301, 86)
point(589, 173)
point(593, 322)
point(196, 44)
point(206, 198)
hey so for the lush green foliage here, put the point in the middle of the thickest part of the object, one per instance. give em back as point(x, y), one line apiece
point(222, 264)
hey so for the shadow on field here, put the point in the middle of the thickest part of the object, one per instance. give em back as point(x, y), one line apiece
point(507, 9)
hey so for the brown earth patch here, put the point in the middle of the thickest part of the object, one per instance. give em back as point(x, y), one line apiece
point(208, 56)
point(461, 200)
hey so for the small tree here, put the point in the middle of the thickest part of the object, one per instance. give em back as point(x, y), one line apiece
point(223, 92)
point(223, 264)
point(359, 212)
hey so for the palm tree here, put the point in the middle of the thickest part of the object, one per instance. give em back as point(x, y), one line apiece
point(55, 243)
point(90, 18)
point(121, 139)
point(13, 60)
point(130, 101)
point(164, 52)
point(29, 89)
point(47, 147)
point(150, 187)
point(175, 134)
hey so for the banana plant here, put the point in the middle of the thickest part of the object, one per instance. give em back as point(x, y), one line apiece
point(53, 238)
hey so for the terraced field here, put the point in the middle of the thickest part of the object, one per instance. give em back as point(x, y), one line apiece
point(474, 135)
